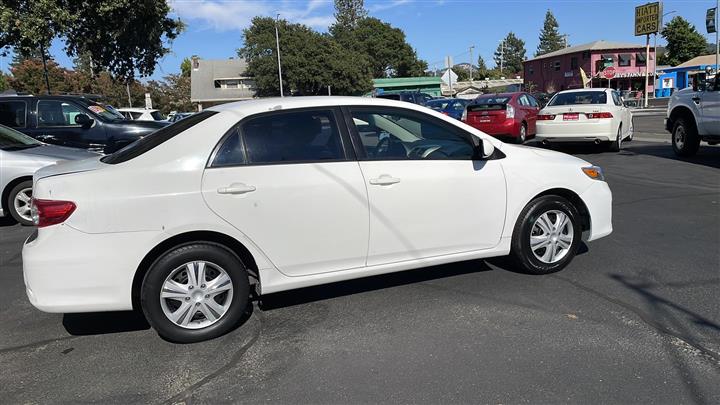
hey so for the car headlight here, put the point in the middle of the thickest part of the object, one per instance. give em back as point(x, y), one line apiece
point(594, 172)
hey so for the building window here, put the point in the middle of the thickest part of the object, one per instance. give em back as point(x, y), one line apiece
point(586, 55)
point(233, 84)
point(573, 63)
point(556, 65)
point(624, 59)
point(640, 59)
point(530, 70)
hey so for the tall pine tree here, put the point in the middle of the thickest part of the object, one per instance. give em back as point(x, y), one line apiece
point(347, 15)
point(550, 38)
point(511, 52)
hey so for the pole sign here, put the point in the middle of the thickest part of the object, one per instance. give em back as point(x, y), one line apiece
point(710, 20)
point(648, 18)
point(609, 72)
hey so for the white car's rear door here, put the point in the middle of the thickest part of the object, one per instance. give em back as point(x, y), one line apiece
point(285, 181)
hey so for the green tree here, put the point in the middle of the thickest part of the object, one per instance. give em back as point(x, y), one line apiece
point(511, 51)
point(310, 61)
point(28, 76)
point(3, 82)
point(482, 69)
point(385, 49)
point(550, 38)
point(121, 36)
point(684, 42)
point(185, 67)
point(347, 15)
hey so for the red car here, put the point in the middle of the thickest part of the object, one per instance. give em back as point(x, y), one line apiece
point(504, 115)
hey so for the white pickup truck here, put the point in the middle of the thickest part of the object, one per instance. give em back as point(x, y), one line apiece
point(693, 115)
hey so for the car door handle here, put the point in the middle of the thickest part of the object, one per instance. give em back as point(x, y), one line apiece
point(384, 180)
point(236, 188)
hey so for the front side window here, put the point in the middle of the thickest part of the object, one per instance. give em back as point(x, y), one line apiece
point(13, 114)
point(392, 134)
point(287, 137)
point(56, 113)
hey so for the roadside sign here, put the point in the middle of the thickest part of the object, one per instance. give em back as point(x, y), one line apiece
point(648, 18)
point(710, 20)
point(449, 77)
point(609, 72)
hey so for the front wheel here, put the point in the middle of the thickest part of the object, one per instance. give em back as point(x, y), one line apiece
point(195, 292)
point(546, 235)
point(18, 203)
point(685, 139)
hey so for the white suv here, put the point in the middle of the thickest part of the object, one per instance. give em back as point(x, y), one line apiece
point(693, 115)
point(295, 192)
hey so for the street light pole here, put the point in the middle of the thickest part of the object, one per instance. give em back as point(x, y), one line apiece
point(471, 62)
point(502, 55)
point(717, 43)
point(277, 42)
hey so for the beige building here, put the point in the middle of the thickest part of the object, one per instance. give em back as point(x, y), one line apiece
point(215, 82)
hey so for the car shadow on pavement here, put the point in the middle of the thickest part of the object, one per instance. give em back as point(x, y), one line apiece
point(100, 323)
point(7, 221)
point(373, 283)
point(706, 156)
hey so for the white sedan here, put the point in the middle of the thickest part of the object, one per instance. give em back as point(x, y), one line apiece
point(294, 192)
point(585, 115)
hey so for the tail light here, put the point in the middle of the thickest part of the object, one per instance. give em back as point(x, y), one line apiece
point(51, 212)
point(510, 111)
point(464, 115)
point(444, 113)
point(592, 116)
point(545, 117)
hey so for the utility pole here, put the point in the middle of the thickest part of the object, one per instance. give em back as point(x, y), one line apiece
point(502, 55)
point(647, 68)
point(471, 62)
point(717, 43)
point(45, 69)
point(277, 42)
point(127, 87)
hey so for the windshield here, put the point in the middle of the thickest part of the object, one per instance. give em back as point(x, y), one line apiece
point(438, 104)
point(579, 97)
point(10, 138)
point(114, 111)
point(99, 110)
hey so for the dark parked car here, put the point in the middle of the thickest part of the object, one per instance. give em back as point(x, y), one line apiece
point(453, 107)
point(409, 96)
point(72, 121)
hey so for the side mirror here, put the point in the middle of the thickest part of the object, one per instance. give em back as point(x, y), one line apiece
point(84, 120)
point(487, 149)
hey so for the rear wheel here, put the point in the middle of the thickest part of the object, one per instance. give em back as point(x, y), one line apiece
point(523, 134)
point(616, 145)
point(18, 202)
point(195, 292)
point(546, 235)
point(685, 139)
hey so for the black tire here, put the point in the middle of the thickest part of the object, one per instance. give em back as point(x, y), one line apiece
point(523, 134)
point(685, 139)
point(11, 202)
point(177, 257)
point(616, 145)
point(522, 255)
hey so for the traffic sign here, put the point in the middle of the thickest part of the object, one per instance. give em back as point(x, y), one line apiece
point(609, 72)
point(648, 18)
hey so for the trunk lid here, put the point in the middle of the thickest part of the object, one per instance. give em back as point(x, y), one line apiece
point(67, 167)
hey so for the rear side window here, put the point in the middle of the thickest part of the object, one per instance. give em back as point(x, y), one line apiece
point(156, 138)
point(287, 137)
point(13, 114)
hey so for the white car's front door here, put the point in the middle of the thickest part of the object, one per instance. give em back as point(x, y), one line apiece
point(284, 180)
point(710, 109)
point(428, 197)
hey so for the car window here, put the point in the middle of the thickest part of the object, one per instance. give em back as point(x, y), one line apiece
point(288, 137)
point(13, 114)
point(157, 116)
point(392, 134)
point(57, 113)
point(135, 115)
point(579, 97)
point(533, 101)
point(156, 138)
point(524, 101)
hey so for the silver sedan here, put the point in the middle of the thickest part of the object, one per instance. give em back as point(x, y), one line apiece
point(20, 157)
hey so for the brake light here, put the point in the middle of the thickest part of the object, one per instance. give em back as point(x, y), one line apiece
point(545, 117)
point(444, 113)
point(51, 212)
point(510, 111)
point(595, 115)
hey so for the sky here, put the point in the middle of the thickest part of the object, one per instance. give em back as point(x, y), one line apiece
point(435, 28)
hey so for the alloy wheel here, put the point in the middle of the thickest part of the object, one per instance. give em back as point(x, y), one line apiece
point(551, 236)
point(679, 137)
point(21, 203)
point(196, 294)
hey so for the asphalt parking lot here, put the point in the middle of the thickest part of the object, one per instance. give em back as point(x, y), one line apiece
point(634, 319)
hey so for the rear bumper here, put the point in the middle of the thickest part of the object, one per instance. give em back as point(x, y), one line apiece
point(574, 132)
point(505, 128)
point(66, 270)
point(598, 200)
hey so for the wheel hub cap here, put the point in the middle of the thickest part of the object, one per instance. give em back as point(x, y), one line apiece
point(21, 203)
point(196, 294)
point(551, 236)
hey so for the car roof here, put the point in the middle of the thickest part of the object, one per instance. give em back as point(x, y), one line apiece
point(132, 109)
point(509, 94)
point(598, 89)
point(255, 106)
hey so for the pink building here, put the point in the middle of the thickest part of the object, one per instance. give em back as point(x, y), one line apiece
point(564, 69)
